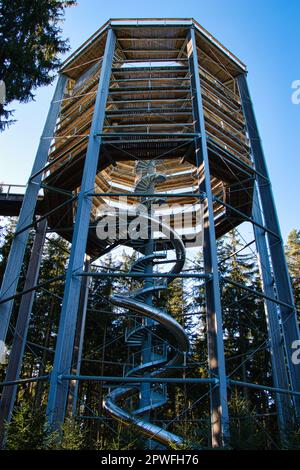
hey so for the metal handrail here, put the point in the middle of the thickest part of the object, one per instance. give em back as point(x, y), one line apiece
point(9, 187)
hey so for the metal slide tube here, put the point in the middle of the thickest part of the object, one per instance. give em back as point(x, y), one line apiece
point(136, 304)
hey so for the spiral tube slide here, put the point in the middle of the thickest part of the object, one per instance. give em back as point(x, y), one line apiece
point(134, 303)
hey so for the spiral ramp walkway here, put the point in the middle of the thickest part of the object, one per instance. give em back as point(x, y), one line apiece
point(155, 357)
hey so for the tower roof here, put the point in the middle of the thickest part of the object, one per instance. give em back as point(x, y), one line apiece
point(160, 29)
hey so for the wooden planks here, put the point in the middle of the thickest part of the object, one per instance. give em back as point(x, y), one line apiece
point(149, 116)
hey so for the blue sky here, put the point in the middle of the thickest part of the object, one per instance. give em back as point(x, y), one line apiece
point(263, 34)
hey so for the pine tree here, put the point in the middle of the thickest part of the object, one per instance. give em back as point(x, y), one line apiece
point(46, 312)
point(248, 360)
point(105, 352)
point(30, 48)
point(26, 430)
point(293, 259)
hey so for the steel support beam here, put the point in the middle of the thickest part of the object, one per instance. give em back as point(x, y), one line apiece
point(147, 343)
point(79, 339)
point(216, 359)
point(64, 347)
point(17, 251)
point(143, 379)
point(254, 292)
point(263, 387)
point(37, 286)
point(279, 369)
point(276, 247)
point(145, 275)
point(41, 378)
point(176, 380)
point(8, 395)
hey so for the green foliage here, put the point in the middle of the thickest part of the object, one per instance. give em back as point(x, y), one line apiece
point(293, 440)
point(186, 445)
point(71, 436)
point(253, 418)
point(245, 433)
point(125, 438)
point(26, 430)
point(293, 258)
point(30, 48)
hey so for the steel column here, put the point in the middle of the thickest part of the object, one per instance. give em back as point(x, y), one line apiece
point(64, 348)
point(79, 339)
point(146, 347)
point(276, 247)
point(17, 251)
point(8, 395)
point(279, 369)
point(216, 359)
